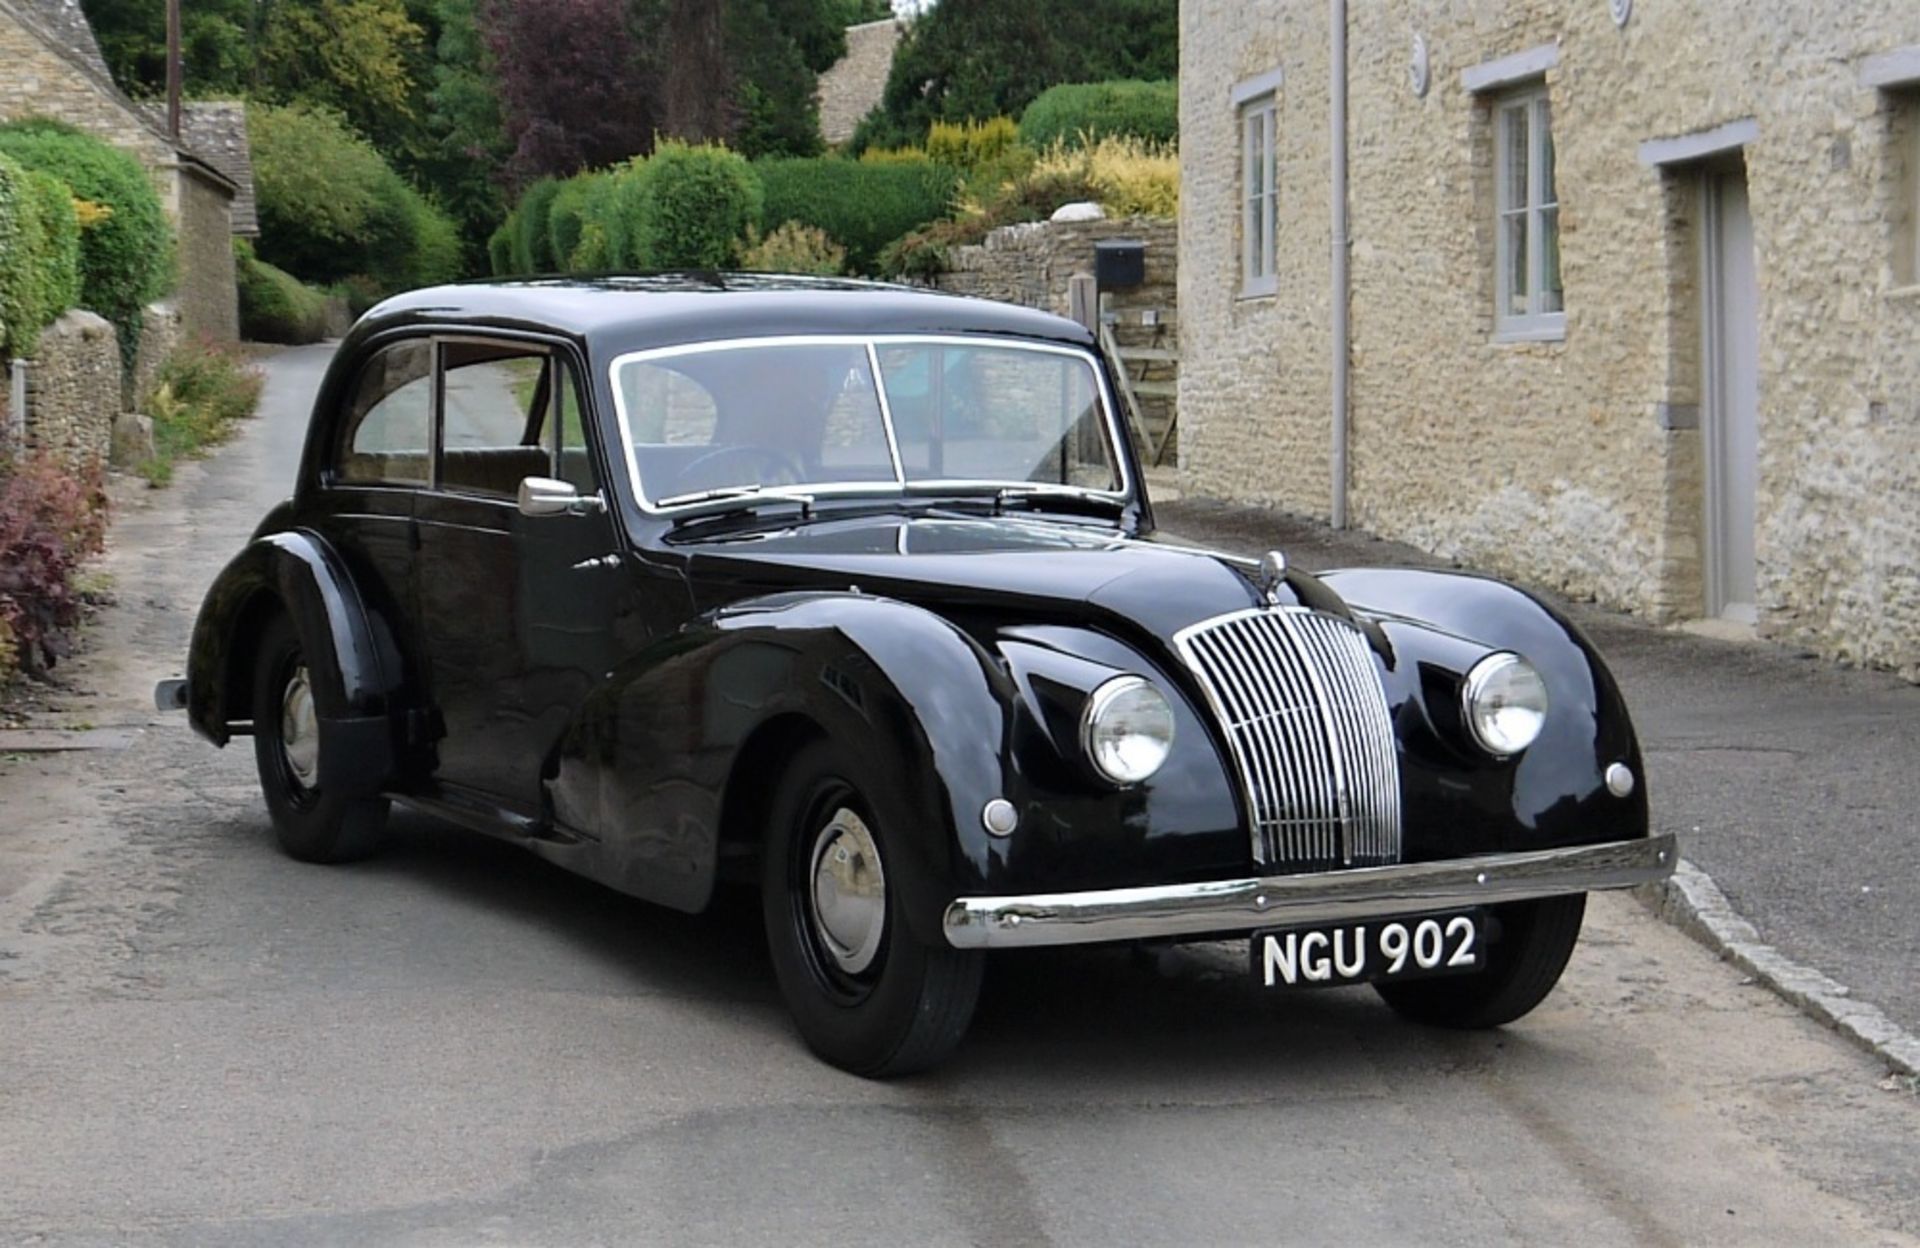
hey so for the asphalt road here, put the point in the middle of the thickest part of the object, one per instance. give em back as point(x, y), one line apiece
point(205, 1043)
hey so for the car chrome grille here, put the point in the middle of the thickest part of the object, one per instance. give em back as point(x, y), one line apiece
point(1301, 703)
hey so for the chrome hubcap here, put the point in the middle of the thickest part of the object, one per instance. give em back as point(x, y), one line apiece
point(300, 729)
point(849, 890)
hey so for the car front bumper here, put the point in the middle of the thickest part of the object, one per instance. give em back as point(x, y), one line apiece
point(1235, 907)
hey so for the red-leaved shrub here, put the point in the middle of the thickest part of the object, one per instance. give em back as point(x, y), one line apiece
point(51, 518)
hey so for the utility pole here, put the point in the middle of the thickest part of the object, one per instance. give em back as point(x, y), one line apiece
point(173, 69)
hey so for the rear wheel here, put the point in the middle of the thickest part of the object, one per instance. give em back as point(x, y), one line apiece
point(313, 824)
point(866, 995)
point(1536, 939)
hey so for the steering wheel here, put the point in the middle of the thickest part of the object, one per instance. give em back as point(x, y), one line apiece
point(769, 467)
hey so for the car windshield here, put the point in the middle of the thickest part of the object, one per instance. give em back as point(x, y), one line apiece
point(825, 416)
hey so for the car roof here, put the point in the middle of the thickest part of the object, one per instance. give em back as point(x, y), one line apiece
point(625, 312)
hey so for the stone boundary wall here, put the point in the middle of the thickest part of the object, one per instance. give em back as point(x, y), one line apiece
point(162, 328)
point(73, 389)
point(1032, 264)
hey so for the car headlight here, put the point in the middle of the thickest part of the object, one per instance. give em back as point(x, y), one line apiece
point(1505, 703)
point(1127, 729)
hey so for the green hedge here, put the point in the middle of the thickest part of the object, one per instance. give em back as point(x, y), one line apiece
point(332, 208)
point(568, 217)
point(500, 249)
point(685, 207)
point(860, 205)
point(39, 254)
point(532, 248)
point(275, 306)
point(1146, 110)
point(125, 260)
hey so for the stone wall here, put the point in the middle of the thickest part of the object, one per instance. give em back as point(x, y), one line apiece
point(208, 297)
point(161, 330)
point(73, 389)
point(1032, 265)
point(1572, 463)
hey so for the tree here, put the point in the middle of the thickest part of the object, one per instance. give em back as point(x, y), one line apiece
point(574, 90)
point(465, 145)
point(216, 47)
point(975, 59)
point(353, 56)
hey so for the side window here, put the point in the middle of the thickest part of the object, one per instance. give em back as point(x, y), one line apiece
point(572, 462)
point(388, 434)
point(494, 398)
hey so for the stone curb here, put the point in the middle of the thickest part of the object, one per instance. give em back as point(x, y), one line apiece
point(1692, 902)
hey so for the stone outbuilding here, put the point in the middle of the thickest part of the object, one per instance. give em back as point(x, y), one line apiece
point(1630, 304)
point(853, 86)
point(53, 68)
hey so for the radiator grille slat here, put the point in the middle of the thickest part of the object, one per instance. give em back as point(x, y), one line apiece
point(1300, 701)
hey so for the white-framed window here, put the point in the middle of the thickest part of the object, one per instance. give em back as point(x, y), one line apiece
point(1528, 300)
point(1259, 192)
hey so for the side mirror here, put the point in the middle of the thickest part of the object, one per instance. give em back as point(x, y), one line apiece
point(544, 496)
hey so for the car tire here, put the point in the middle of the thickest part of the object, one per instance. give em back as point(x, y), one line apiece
point(312, 824)
point(1536, 939)
point(865, 994)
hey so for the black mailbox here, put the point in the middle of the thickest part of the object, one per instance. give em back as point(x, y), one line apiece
point(1119, 263)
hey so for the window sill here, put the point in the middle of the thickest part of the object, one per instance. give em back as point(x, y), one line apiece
point(1249, 294)
point(1903, 294)
point(1554, 330)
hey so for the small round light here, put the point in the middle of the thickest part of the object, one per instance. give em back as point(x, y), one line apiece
point(1127, 729)
point(1505, 703)
point(999, 818)
point(1619, 779)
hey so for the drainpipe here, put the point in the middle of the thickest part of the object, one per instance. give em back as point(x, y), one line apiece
point(1342, 254)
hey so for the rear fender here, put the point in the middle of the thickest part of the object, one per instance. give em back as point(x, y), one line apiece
point(355, 665)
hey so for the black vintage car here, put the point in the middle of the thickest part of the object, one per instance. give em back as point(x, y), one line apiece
point(854, 591)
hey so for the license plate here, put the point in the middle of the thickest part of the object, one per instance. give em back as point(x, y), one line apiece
point(1354, 953)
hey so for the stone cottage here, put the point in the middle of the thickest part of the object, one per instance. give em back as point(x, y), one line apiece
point(53, 68)
point(1619, 297)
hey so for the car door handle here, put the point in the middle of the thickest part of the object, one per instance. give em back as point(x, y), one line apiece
point(608, 562)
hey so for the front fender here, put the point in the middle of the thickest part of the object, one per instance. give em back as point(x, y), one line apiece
point(357, 671)
point(647, 768)
point(1457, 799)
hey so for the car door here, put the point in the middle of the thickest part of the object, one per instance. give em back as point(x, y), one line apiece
point(520, 612)
point(379, 462)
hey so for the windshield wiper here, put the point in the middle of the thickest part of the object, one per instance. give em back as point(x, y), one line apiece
point(1039, 491)
point(732, 498)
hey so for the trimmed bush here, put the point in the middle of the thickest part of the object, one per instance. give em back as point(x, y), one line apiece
point(687, 207)
point(862, 206)
point(331, 207)
point(532, 247)
point(793, 248)
point(39, 254)
point(567, 217)
point(60, 221)
point(274, 305)
point(968, 144)
point(500, 249)
point(126, 258)
point(1078, 112)
point(1134, 178)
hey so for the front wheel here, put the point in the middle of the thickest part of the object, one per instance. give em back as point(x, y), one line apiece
point(1536, 939)
point(866, 995)
point(312, 823)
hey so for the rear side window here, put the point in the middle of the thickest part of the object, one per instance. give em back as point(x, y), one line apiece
point(387, 438)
